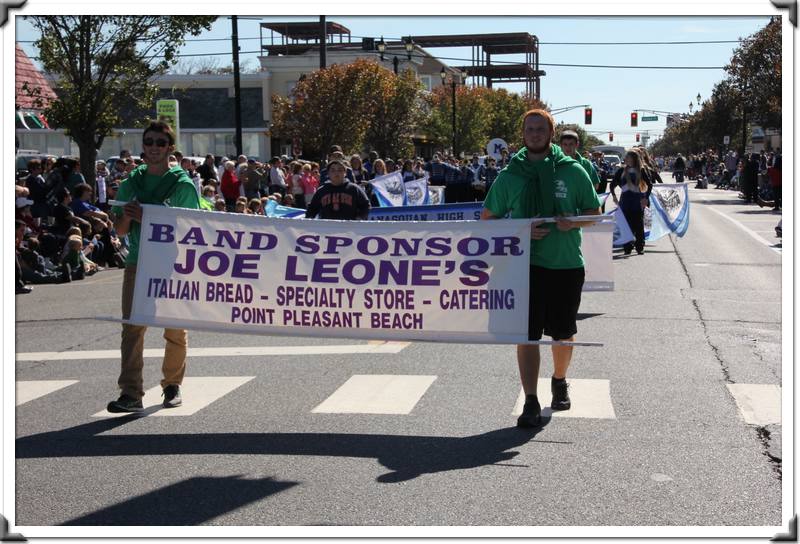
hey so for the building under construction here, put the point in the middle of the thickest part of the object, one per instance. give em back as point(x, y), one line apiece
point(284, 39)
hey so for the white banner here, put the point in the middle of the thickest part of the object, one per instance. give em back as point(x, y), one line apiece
point(622, 231)
point(596, 248)
point(390, 189)
point(436, 195)
point(463, 281)
point(417, 192)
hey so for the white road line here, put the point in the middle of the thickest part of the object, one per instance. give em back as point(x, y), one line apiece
point(758, 404)
point(29, 390)
point(748, 231)
point(196, 392)
point(233, 351)
point(376, 394)
point(590, 399)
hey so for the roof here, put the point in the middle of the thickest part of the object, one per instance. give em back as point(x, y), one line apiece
point(504, 43)
point(305, 31)
point(26, 72)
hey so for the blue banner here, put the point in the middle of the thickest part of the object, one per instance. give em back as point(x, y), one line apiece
point(273, 209)
point(464, 211)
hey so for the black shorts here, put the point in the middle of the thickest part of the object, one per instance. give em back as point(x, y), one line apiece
point(555, 296)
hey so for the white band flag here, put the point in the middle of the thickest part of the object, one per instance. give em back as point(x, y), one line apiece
point(417, 192)
point(464, 281)
point(390, 189)
point(436, 194)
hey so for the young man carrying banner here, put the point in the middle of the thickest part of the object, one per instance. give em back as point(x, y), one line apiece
point(541, 181)
point(152, 183)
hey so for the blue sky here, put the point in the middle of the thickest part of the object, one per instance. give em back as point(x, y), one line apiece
point(612, 93)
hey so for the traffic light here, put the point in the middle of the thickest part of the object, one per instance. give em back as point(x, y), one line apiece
point(637, 136)
point(634, 119)
point(587, 116)
point(610, 136)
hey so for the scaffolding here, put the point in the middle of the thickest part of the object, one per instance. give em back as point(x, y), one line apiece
point(485, 46)
point(299, 38)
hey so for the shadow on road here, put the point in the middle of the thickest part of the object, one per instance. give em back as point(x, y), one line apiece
point(766, 212)
point(405, 456)
point(737, 202)
point(190, 502)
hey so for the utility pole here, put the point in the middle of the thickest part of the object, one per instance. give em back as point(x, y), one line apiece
point(453, 84)
point(323, 36)
point(744, 120)
point(237, 90)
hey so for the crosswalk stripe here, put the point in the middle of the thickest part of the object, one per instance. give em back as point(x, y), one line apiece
point(590, 399)
point(30, 390)
point(197, 393)
point(372, 347)
point(759, 404)
point(376, 394)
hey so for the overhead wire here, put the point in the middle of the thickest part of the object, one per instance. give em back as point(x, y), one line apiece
point(495, 62)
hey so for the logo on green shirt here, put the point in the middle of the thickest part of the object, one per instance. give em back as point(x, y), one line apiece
point(561, 189)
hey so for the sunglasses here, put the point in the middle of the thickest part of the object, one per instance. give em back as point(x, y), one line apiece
point(160, 142)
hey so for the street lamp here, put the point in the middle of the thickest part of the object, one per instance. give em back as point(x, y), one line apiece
point(381, 47)
point(698, 99)
point(453, 84)
point(409, 45)
point(691, 105)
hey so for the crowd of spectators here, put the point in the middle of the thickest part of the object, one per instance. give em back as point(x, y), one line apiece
point(757, 176)
point(65, 228)
point(62, 232)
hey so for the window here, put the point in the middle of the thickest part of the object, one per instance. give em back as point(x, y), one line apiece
point(426, 82)
point(201, 144)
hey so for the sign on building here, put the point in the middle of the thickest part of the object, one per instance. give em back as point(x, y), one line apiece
point(167, 111)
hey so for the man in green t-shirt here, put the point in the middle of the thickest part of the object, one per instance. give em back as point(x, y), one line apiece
point(541, 181)
point(152, 183)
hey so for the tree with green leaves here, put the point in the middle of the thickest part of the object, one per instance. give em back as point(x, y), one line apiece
point(472, 117)
point(103, 64)
point(755, 71)
point(481, 115)
point(331, 106)
point(396, 114)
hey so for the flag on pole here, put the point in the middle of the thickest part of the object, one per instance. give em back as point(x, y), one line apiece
point(417, 192)
point(670, 202)
point(622, 231)
point(390, 189)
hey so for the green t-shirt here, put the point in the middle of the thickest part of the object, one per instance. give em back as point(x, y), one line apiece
point(554, 186)
point(587, 165)
point(174, 189)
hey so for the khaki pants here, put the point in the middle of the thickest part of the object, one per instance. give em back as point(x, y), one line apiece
point(132, 347)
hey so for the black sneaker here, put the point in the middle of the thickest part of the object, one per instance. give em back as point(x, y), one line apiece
point(531, 413)
point(560, 395)
point(125, 403)
point(172, 396)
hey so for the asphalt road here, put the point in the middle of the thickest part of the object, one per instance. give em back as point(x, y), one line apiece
point(686, 320)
